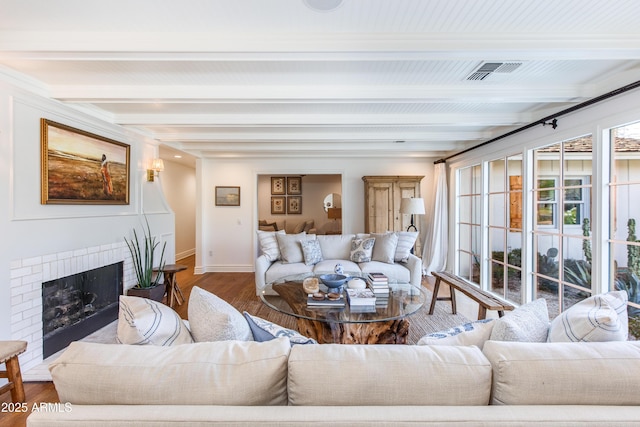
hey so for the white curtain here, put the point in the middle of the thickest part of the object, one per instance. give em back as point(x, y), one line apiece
point(434, 254)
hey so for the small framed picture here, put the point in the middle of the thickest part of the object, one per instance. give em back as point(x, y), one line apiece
point(278, 205)
point(294, 204)
point(294, 185)
point(278, 185)
point(227, 196)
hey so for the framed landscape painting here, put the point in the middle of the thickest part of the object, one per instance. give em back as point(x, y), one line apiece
point(79, 167)
point(227, 196)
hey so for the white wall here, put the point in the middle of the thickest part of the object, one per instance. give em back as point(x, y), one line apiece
point(226, 235)
point(31, 230)
point(179, 186)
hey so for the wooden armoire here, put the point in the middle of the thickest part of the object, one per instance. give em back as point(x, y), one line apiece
point(382, 196)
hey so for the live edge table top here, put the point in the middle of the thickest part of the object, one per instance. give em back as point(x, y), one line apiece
point(287, 296)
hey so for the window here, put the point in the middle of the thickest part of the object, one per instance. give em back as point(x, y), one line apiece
point(562, 244)
point(505, 227)
point(624, 193)
point(575, 200)
point(468, 227)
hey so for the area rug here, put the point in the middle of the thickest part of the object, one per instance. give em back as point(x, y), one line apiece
point(421, 324)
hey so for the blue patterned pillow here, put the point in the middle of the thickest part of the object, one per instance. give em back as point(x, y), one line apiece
point(263, 330)
point(362, 249)
point(311, 251)
point(472, 333)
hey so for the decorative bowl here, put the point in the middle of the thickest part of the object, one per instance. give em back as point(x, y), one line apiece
point(333, 280)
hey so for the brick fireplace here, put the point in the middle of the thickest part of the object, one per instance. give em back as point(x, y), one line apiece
point(28, 276)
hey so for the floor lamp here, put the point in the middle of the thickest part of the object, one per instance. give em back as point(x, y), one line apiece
point(412, 206)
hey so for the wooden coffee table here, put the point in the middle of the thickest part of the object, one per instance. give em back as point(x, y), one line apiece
point(386, 325)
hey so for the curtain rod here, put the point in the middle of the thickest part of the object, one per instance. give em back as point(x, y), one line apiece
point(552, 117)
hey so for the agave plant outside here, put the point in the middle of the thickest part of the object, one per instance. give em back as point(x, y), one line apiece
point(142, 256)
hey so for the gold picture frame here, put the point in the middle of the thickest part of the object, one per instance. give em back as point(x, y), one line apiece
point(79, 167)
point(294, 185)
point(227, 196)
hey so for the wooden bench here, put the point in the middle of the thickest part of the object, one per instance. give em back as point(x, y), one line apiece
point(484, 299)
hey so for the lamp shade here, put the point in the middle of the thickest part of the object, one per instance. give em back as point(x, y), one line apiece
point(412, 206)
point(157, 165)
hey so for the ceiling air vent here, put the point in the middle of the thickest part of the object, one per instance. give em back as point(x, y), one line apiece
point(487, 68)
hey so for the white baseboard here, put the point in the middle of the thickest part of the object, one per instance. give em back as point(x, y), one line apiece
point(184, 254)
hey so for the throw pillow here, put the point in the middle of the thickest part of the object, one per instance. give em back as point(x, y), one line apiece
point(290, 248)
point(213, 319)
point(144, 321)
point(384, 249)
point(311, 251)
point(362, 249)
point(472, 333)
point(527, 323)
point(406, 240)
point(598, 318)
point(299, 228)
point(269, 244)
point(263, 330)
point(308, 225)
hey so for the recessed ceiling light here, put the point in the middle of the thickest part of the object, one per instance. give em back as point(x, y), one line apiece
point(177, 156)
point(323, 5)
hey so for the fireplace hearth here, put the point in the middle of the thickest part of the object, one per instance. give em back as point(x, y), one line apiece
point(77, 305)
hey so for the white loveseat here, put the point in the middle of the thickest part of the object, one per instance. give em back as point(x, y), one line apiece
point(273, 384)
point(282, 255)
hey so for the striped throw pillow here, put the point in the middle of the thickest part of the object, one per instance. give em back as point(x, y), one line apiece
point(598, 318)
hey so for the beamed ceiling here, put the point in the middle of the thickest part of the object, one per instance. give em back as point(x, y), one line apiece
point(380, 78)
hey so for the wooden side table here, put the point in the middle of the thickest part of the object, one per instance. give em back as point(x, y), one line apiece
point(174, 294)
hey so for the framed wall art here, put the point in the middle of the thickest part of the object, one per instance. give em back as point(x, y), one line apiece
point(278, 185)
point(294, 205)
point(78, 167)
point(294, 185)
point(227, 196)
point(278, 205)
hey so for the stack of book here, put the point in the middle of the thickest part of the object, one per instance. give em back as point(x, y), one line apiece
point(325, 301)
point(361, 299)
point(379, 285)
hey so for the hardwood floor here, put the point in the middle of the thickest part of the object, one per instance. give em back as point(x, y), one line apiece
point(226, 285)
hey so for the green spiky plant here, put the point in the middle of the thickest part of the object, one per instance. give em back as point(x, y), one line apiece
point(142, 256)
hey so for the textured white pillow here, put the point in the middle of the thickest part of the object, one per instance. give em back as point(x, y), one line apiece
point(269, 244)
point(290, 248)
point(362, 249)
point(144, 321)
point(472, 333)
point(213, 319)
point(384, 248)
point(406, 240)
point(598, 318)
point(527, 323)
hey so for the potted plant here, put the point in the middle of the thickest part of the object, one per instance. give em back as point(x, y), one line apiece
point(142, 256)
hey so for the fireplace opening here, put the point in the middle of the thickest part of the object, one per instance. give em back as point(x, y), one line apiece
point(77, 305)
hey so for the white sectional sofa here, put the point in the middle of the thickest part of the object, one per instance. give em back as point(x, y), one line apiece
point(272, 383)
point(282, 255)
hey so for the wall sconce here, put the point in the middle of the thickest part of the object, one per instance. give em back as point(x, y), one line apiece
point(157, 166)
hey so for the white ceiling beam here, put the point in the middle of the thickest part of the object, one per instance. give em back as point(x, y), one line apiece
point(334, 120)
point(328, 93)
point(201, 140)
point(326, 46)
